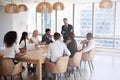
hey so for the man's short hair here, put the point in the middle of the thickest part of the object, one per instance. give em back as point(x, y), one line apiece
point(56, 36)
point(47, 30)
point(65, 19)
point(89, 35)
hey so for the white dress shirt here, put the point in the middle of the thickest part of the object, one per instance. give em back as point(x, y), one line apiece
point(11, 51)
point(91, 45)
point(56, 50)
point(35, 40)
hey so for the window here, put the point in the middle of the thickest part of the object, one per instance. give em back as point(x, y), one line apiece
point(53, 27)
point(78, 40)
point(46, 21)
point(83, 19)
point(104, 26)
point(117, 29)
point(104, 43)
point(117, 44)
point(103, 21)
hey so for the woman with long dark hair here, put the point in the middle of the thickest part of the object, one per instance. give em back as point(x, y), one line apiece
point(24, 44)
point(11, 49)
point(24, 40)
point(72, 44)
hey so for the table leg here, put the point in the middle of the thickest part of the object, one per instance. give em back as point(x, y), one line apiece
point(39, 70)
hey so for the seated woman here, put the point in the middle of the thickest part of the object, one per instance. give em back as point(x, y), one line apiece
point(24, 43)
point(11, 49)
point(34, 38)
point(72, 44)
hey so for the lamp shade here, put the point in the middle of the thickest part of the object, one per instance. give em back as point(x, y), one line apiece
point(11, 8)
point(44, 7)
point(58, 6)
point(22, 7)
point(106, 4)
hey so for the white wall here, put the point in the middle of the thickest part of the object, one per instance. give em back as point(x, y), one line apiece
point(19, 23)
point(5, 24)
point(16, 22)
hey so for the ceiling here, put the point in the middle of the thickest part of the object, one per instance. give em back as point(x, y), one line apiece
point(28, 2)
point(49, 0)
point(37, 1)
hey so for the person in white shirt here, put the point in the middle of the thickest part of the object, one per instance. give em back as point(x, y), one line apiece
point(57, 49)
point(88, 44)
point(34, 38)
point(11, 49)
point(25, 42)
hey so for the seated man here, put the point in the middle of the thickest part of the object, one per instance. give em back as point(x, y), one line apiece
point(57, 49)
point(47, 38)
point(88, 44)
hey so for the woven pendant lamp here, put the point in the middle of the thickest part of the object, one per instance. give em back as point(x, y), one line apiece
point(44, 7)
point(58, 6)
point(11, 8)
point(106, 4)
point(22, 7)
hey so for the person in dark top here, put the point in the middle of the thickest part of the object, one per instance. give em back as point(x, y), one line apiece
point(47, 38)
point(72, 44)
point(66, 29)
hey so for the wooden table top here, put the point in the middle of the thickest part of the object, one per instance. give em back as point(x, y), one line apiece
point(34, 55)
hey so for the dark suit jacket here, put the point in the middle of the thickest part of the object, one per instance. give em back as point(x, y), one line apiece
point(67, 30)
point(46, 39)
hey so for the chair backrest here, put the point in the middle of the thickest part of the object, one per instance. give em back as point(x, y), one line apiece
point(62, 63)
point(77, 58)
point(6, 66)
point(89, 55)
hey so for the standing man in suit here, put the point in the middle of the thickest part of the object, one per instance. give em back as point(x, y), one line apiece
point(66, 29)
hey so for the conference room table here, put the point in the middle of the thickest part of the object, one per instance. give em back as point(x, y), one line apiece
point(36, 56)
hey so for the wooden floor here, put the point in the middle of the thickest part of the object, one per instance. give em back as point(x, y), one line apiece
point(106, 67)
